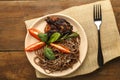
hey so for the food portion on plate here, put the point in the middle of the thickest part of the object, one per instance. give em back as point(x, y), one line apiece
point(58, 46)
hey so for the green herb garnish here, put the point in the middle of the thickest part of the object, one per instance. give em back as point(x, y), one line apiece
point(49, 53)
point(74, 34)
point(43, 37)
point(54, 37)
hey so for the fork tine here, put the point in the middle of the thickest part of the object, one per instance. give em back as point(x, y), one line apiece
point(100, 12)
point(97, 12)
point(94, 12)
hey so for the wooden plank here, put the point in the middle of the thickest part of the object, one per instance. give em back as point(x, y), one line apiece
point(115, 3)
point(12, 27)
point(12, 34)
point(117, 16)
point(10, 9)
point(15, 66)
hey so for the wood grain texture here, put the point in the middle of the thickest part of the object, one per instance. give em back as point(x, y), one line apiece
point(13, 62)
point(15, 66)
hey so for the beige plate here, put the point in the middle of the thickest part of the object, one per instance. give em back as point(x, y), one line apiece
point(40, 25)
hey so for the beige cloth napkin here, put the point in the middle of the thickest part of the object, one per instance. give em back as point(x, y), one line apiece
point(110, 38)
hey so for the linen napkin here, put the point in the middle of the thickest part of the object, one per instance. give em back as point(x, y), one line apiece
point(110, 39)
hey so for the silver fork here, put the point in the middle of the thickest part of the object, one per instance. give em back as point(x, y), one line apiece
point(97, 15)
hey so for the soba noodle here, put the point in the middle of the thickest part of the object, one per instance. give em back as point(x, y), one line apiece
point(63, 61)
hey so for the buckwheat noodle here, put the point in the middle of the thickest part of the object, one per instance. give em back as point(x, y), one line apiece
point(63, 61)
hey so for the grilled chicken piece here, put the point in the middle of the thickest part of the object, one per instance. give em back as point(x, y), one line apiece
point(56, 24)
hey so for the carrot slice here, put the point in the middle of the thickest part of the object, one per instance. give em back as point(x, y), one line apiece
point(34, 32)
point(60, 47)
point(35, 46)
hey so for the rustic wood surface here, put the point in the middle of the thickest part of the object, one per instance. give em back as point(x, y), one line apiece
point(13, 61)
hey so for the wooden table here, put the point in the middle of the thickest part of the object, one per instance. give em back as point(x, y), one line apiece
point(13, 61)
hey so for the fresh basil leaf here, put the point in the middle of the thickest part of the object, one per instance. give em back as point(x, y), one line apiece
point(74, 34)
point(64, 37)
point(43, 37)
point(54, 37)
point(49, 53)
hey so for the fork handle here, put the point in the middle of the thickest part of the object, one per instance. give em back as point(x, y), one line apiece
point(100, 55)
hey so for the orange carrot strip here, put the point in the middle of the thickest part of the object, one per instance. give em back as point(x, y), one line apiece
point(60, 47)
point(35, 46)
point(34, 32)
